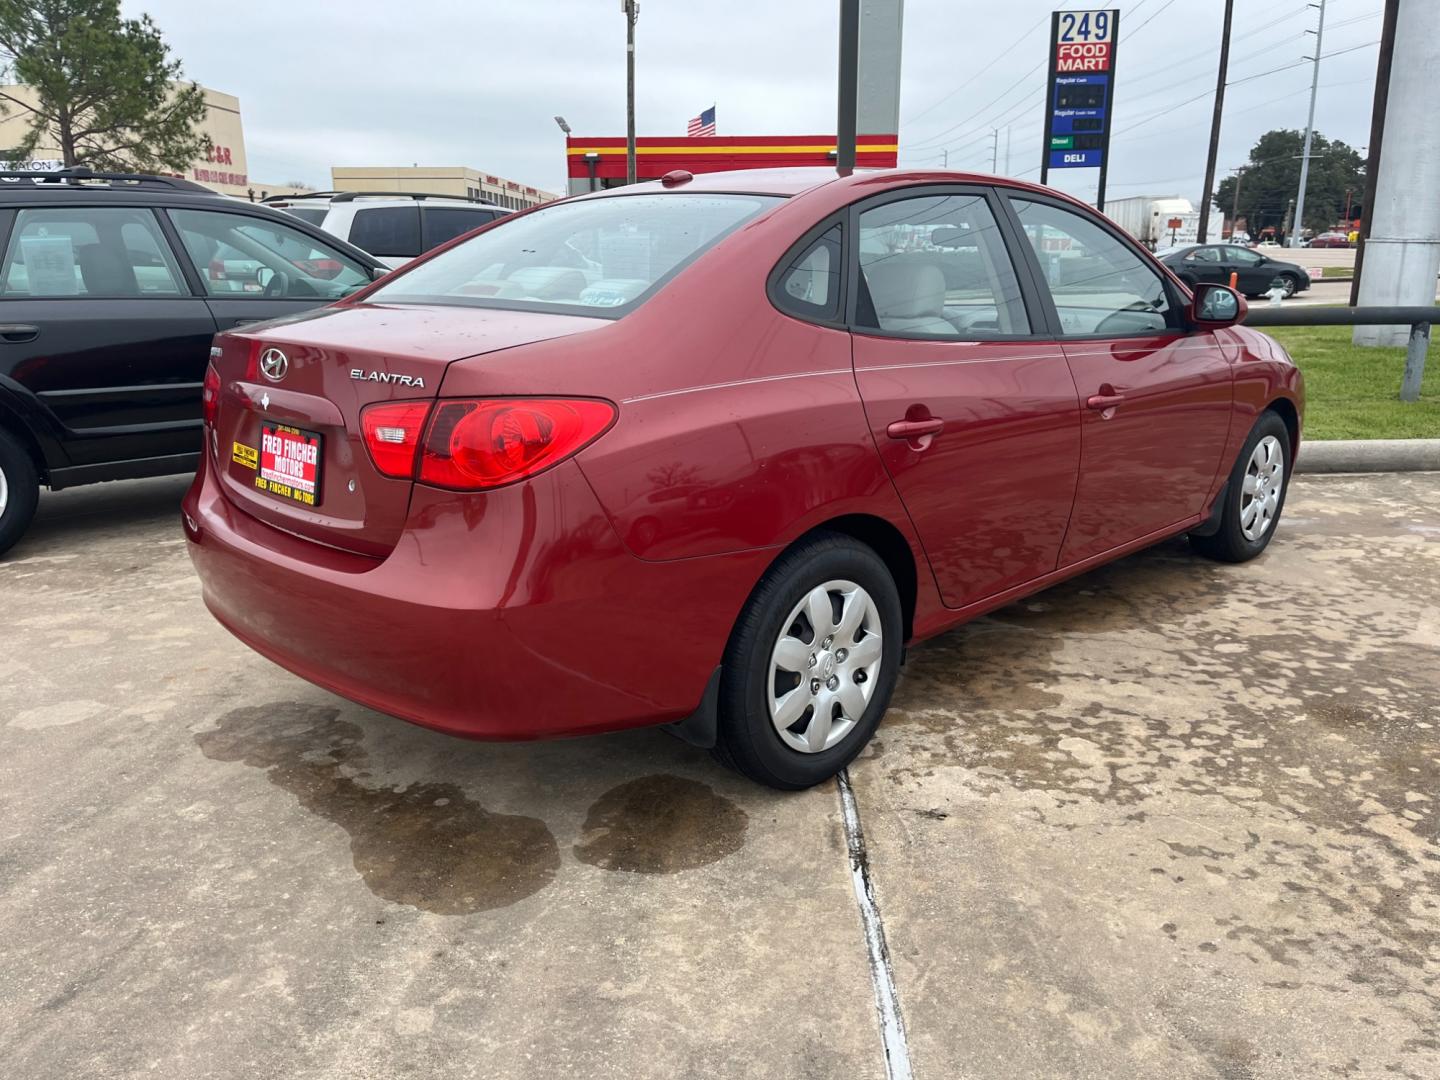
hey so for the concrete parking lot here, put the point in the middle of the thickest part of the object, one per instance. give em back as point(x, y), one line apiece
point(1171, 818)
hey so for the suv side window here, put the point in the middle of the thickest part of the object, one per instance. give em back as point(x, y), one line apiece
point(442, 223)
point(809, 286)
point(387, 231)
point(109, 252)
point(238, 255)
point(936, 266)
point(1099, 284)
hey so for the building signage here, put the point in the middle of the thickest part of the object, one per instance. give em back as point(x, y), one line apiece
point(1080, 94)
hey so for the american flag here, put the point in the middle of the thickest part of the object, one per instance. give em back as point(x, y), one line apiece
point(704, 124)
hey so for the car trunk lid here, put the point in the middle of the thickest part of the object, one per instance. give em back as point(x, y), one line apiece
point(287, 443)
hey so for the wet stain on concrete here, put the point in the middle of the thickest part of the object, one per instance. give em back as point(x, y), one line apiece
point(426, 845)
point(660, 825)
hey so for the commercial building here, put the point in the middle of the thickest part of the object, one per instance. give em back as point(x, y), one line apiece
point(223, 168)
point(595, 163)
point(440, 180)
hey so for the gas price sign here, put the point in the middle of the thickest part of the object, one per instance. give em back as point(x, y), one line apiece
point(1080, 93)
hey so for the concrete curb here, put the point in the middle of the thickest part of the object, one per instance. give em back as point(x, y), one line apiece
point(1369, 455)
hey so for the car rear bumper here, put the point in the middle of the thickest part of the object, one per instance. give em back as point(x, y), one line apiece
point(512, 615)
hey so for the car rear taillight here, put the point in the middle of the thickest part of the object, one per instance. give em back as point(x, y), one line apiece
point(210, 396)
point(473, 445)
point(391, 431)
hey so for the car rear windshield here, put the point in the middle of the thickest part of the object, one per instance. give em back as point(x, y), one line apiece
point(590, 257)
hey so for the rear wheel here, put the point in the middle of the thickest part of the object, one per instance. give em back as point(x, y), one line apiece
point(1254, 495)
point(1287, 283)
point(811, 664)
point(19, 491)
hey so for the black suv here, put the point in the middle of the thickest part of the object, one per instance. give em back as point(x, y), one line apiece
point(111, 289)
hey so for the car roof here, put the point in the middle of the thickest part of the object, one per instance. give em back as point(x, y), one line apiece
point(798, 180)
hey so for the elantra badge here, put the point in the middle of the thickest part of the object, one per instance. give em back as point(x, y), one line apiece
point(274, 364)
point(416, 381)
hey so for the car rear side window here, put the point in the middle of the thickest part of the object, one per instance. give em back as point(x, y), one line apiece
point(936, 266)
point(600, 256)
point(111, 252)
point(245, 255)
point(809, 285)
point(442, 223)
point(387, 231)
point(1098, 283)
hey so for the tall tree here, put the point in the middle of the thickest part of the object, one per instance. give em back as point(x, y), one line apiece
point(1270, 180)
point(105, 91)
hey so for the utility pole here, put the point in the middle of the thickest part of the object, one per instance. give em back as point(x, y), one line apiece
point(994, 150)
point(1209, 193)
point(1285, 223)
point(1007, 149)
point(1235, 203)
point(1292, 238)
point(944, 159)
point(849, 86)
point(631, 8)
point(1377, 136)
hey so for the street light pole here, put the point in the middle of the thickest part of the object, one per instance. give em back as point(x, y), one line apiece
point(631, 8)
point(1309, 132)
point(1208, 194)
point(848, 94)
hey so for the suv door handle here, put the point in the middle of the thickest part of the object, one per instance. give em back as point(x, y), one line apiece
point(914, 429)
point(18, 332)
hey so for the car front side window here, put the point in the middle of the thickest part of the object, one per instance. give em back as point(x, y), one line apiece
point(238, 255)
point(1099, 285)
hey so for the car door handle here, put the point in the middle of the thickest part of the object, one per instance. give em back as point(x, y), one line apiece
point(18, 332)
point(1101, 402)
point(914, 429)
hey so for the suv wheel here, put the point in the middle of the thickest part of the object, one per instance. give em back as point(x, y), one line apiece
point(811, 664)
point(19, 491)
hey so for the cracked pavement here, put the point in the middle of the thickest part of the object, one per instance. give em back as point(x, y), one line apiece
point(1169, 817)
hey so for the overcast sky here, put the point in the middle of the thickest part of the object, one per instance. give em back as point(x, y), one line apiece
point(465, 83)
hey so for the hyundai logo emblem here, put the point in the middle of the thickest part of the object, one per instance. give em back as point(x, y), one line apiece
point(274, 364)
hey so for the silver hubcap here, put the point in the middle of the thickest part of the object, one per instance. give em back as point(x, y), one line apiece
point(824, 666)
point(1260, 491)
point(1285, 284)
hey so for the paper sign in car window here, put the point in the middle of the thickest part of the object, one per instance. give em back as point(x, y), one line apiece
point(50, 265)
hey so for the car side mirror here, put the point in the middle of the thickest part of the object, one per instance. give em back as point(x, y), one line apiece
point(1214, 306)
point(379, 272)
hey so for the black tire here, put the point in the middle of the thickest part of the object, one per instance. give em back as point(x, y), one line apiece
point(747, 740)
point(1229, 543)
point(21, 487)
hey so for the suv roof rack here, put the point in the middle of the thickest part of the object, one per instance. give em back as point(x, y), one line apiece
point(300, 195)
point(351, 196)
point(73, 177)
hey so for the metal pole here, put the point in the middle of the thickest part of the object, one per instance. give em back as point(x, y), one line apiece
point(1415, 362)
point(1291, 240)
point(632, 12)
point(849, 86)
point(944, 159)
point(1209, 193)
point(1377, 135)
point(994, 150)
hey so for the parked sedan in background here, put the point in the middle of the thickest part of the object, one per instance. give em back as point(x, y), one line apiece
point(1256, 272)
point(1331, 240)
point(709, 452)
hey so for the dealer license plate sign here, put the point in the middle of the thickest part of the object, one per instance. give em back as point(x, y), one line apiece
point(290, 463)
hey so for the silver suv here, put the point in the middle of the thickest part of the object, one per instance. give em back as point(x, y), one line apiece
point(394, 226)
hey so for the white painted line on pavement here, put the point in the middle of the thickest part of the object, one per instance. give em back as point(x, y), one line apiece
point(887, 1000)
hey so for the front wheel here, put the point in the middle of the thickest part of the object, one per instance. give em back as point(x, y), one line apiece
point(19, 491)
point(811, 664)
point(1254, 494)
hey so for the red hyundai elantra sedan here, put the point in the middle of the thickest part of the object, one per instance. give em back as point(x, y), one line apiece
point(710, 452)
